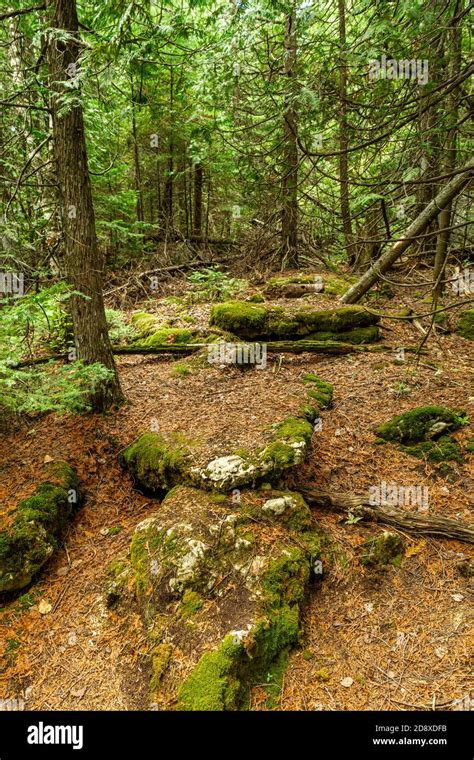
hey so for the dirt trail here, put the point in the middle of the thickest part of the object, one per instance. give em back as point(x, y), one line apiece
point(401, 638)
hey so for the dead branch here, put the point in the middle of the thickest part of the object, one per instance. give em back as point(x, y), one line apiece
point(412, 522)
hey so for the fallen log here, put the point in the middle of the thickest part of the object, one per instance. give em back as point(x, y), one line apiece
point(273, 347)
point(412, 522)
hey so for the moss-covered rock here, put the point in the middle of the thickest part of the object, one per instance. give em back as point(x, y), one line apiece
point(424, 423)
point(318, 389)
point(289, 509)
point(144, 323)
point(383, 550)
point(218, 599)
point(157, 463)
point(465, 325)
point(259, 322)
point(290, 443)
point(33, 536)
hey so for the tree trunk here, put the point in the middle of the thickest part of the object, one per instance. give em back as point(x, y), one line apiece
point(343, 140)
point(444, 218)
point(83, 261)
point(417, 227)
point(136, 164)
point(289, 228)
point(197, 218)
point(413, 522)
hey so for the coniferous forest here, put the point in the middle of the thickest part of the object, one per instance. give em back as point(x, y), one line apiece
point(236, 361)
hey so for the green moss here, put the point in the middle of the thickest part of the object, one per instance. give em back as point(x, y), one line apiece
point(160, 660)
point(470, 445)
point(320, 390)
point(274, 679)
point(37, 526)
point(322, 674)
point(214, 684)
point(383, 550)
point(292, 438)
point(264, 322)
point(465, 325)
point(442, 450)
point(146, 542)
point(256, 298)
point(357, 336)
point(420, 424)
point(239, 317)
point(118, 577)
point(336, 286)
point(143, 322)
point(181, 370)
point(171, 335)
point(191, 603)
point(156, 463)
point(222, 678)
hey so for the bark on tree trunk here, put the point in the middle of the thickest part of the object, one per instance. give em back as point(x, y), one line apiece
point(343, 140)
point(385, 261)
point(84, 264)
point(136, 163)
point(289, 229)
point(197, 219)
point(444, 218)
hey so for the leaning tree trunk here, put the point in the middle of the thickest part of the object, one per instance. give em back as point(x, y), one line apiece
point(289, 227)
point(385, 261)
point(82, 258)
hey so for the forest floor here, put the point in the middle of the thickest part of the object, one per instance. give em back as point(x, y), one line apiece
point(396, 640)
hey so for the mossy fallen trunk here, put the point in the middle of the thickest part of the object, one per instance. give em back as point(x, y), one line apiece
point(36, 528)
point(262, 322)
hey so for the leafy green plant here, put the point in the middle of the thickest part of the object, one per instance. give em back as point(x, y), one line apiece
point(210, 284)
point(50, 387)
point(119, 330)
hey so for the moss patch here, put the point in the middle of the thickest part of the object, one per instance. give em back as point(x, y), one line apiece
point(156, 463)
point(442, 450)
point(222, 678)
point(421, 424)
point(251, 321)
point(319, 390)
point(37, 526)
point(383, 550)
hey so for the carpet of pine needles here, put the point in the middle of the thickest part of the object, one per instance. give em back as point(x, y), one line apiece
point(398, 639)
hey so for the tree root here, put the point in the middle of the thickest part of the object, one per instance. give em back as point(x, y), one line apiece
point(412, 522)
